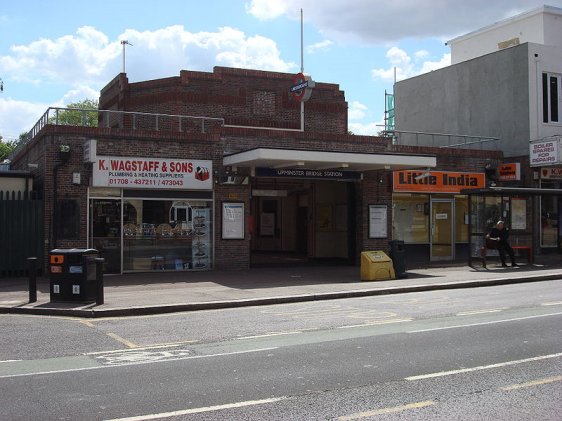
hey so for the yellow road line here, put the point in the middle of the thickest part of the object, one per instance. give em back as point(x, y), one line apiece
point(87, 323)
point(384, 411)
point(125, 342)
point(546, 380)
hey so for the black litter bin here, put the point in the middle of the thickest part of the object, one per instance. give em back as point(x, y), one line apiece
point(397, 255)
point(73, 274)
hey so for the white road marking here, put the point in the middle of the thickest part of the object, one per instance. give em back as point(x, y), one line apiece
point(552, 303)
point(200, 410)
point(268, 335)
point(483, 323)
point(471, 312)
point(146, 361)
point(482, 367)
point(155, 346)
point(375, 323)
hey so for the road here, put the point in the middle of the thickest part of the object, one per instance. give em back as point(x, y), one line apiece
point(482, 353)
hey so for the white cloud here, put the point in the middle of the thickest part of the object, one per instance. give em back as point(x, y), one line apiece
point(403, 67)
point(366, 129)
point(83, 56)
point(357, 111)
point(90, 58)
point(392, 20)
point(266, 10)
point(17, 114)
point(421, 54)
point(319, 46)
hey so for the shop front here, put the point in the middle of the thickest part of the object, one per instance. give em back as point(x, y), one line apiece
point(150, 214)
point(430, 215)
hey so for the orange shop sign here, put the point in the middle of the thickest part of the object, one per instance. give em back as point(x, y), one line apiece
point(436, 181)
point(509, 172)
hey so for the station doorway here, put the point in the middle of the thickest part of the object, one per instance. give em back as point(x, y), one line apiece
point(303, 222)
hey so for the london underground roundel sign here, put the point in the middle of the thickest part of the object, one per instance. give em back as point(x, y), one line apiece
point(302, 87)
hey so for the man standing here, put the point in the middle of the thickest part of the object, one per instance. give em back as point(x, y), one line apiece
point(499, 235)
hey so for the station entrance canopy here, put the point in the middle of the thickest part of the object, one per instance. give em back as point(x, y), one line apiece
point(296, 159)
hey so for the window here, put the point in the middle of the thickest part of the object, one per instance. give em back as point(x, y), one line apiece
point(551, 84)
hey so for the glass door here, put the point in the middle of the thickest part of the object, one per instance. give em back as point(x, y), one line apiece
point(105, 231)
point(442, 226)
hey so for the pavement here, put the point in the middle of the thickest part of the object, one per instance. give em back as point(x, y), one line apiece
point(136, 294)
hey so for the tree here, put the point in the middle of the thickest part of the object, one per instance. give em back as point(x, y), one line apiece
point(6, 149)
point(82, 114)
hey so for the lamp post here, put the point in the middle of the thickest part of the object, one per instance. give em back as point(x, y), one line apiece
point(124, 43)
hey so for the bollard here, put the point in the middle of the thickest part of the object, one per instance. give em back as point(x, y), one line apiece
point(32, 268)
point(99, 280)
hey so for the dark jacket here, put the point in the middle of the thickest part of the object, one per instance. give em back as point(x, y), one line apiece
point(503, 235)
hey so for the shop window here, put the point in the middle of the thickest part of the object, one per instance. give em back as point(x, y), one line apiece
point(68, 219)
point(410, 218)
point(549, 218)
point(167, 235)
point(461, 219)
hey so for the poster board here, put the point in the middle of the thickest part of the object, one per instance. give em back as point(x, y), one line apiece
point(233, 221)
point(518, 214)
point(378, 227)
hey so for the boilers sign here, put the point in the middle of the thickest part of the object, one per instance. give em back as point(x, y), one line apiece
point(152, 173)
point(544, 153)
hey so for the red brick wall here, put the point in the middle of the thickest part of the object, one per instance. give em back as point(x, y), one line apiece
point(241, 97)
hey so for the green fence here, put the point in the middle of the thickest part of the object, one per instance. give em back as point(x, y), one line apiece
point(21, 232)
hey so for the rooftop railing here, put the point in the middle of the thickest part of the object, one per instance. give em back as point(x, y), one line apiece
point(444, 140)
point(121, 120)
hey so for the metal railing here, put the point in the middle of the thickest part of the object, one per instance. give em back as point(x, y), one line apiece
point(443, 140)
point(121, 120)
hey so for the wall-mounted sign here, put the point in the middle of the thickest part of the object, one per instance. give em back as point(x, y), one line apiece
point(152, 173)
point(378, 221)
point(302, 87)
point(551, 173)
point(436, 181)
point(302, 173)
point(89, 148)
point(544, 153)
point(233, 221)
point(509, 172)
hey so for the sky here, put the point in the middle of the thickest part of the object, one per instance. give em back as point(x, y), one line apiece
point(53, 53)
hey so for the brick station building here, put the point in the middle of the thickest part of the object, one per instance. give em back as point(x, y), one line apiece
point(226, 170)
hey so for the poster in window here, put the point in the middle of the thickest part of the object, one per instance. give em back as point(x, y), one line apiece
point(233, 221)
point(378, 221)
point(324, 218)
point(267, 224)
point(518, 214)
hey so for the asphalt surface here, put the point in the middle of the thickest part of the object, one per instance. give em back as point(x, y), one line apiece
point(164, 292)
point(489, 366)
